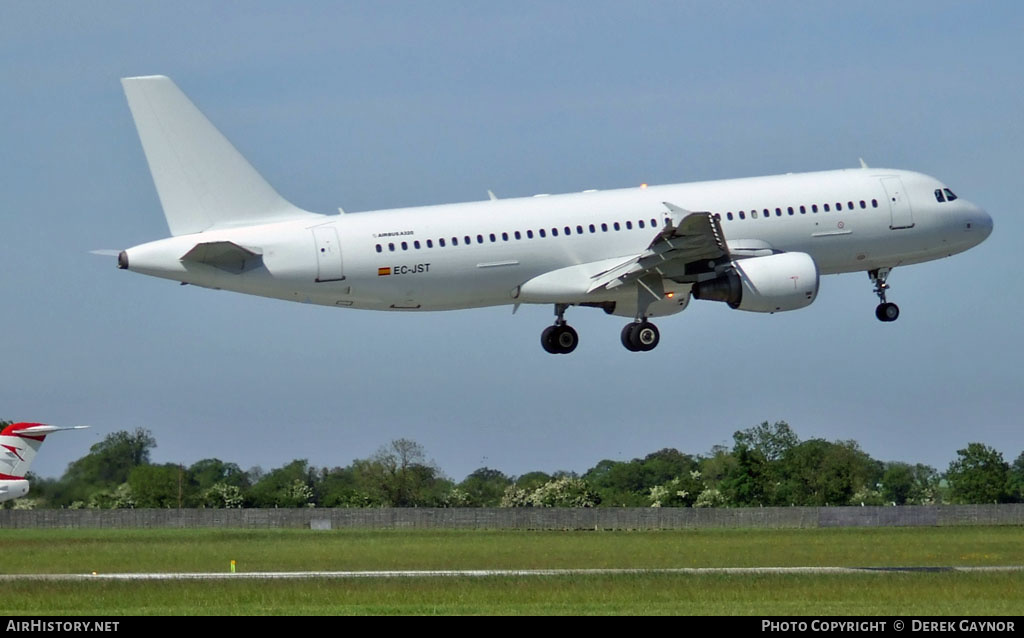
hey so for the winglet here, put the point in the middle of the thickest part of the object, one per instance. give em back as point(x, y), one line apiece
point(863, 164)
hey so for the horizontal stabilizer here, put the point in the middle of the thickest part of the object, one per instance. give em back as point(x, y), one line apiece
point(226, 255)
point(38, 429)
point(201, 178)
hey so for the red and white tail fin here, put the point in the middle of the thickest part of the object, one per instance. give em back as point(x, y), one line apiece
point(19, 444)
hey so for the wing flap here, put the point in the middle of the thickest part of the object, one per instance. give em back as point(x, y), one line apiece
point(687, 238)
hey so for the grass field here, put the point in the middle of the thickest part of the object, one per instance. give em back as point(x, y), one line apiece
point(109, 551)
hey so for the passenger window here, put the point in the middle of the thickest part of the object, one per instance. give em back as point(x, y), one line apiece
point(468, 242)
point(568, 231)
point(728, 216)
point(391, 247)
point(654, 223)
point(554, 232)
point(542, 233)
point(839, 206)
point(753, 214)
point(579, 230)
point(440, 242)
point(504, 237)
point(863, 204)
point(379, 248)
point(629, 225)
point(849, 205)
point(767, 213)
point(949, 195)
point(616, 226)
point(416, 244)
point(789, 209)
point(529, 234)
point(641, 222)
point(814, 208)
point(479, 239)
point(604, 228)
point(593, 229)
point(743, 215)
point(430, 243)
point(518, 235)
point(405, 246)
point(493, 238)
point(778, 212)
point(874, 203)
point(803, 210)
point(455, 241)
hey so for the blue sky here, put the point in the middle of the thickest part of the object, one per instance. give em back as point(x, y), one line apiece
point(376, 105)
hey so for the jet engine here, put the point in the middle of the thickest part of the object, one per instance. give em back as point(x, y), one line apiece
point(786, 281)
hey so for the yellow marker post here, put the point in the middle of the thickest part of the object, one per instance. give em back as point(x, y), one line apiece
point(232, 567)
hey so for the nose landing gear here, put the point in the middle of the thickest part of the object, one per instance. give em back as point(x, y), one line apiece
point(885, 311)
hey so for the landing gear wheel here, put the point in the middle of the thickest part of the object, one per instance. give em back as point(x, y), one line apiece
point(647, 336)
point(640, 337)
point(887, 312)
point(559, 339)
point(547, 340)
point(627, 337)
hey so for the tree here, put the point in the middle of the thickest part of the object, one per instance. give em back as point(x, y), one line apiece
point(399, 475)
point(817, 472)
point(905, 484)
point(106, 466)
point(770, 441)
point(564, 491)
point(979, 475)
point(483, 488)
point(1017, 479)
point(630, 483)
point(750, 481)
point(159, 485)
point(209, 472)
point(288, 486)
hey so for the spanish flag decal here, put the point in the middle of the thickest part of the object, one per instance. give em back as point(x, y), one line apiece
point(384, 271)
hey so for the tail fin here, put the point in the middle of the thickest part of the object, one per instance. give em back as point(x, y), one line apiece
point(19, 444)
point(202, 180)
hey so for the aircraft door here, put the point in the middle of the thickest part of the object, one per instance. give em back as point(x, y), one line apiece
point(899, 205)
point(328, 254)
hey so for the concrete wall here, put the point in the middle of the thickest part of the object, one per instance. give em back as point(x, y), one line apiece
point(522, 518)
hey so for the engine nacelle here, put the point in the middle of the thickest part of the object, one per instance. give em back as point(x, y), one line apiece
point(774, 283)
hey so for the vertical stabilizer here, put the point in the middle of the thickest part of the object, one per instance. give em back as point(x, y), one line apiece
point(19, 444)
point(201, 178)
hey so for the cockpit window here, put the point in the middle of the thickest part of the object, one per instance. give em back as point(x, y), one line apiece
point(938, 195)
point(949, 195)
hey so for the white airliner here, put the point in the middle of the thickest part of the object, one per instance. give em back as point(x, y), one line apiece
point(757, 244)
point(19, 444)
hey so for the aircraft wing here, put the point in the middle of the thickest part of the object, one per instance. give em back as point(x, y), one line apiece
point(689, 245)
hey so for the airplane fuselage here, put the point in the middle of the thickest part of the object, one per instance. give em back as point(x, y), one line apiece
point(481, 253)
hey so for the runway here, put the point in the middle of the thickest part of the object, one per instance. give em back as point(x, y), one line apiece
point(490, 573)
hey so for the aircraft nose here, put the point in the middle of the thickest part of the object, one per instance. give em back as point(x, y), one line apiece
point(981, 222)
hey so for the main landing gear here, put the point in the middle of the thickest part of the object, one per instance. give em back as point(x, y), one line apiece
point(559, 338)
point(885, 311)
point(640, 336)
